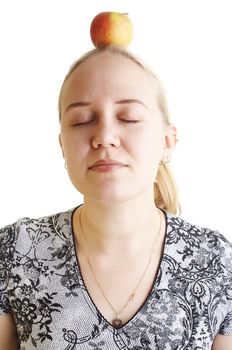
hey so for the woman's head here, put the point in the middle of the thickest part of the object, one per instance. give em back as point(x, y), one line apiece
point(112, 107)
point(158, 89)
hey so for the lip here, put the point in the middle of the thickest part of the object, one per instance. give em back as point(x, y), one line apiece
point(106, 163)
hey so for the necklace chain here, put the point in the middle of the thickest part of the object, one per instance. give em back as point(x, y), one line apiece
point(117, 321)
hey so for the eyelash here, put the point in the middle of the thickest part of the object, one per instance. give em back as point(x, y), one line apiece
point(131, 121)
point(123, 120)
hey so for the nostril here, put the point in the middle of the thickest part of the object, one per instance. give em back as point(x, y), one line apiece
point(109, 141)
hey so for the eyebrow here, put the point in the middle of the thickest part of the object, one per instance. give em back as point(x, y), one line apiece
point(131, 100)
point(77, 104)
point(84, 104)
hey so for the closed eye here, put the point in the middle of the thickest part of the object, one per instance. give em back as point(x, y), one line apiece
point(82, 123)
point(129, 121)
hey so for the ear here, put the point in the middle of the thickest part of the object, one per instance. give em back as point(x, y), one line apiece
point(60, 142)
point(170, 142)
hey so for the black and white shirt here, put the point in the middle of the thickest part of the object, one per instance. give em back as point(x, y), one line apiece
point(42, 286)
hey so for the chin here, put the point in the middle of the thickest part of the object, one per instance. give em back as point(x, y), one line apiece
point(111, 197)
point(112, 192)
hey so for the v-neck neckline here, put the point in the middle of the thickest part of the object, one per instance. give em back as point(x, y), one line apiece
point(82, 281)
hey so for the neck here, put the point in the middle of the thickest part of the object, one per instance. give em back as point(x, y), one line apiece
point(118, 229)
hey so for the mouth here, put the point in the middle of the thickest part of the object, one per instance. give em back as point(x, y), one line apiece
point(105, 165)
point(102, 162)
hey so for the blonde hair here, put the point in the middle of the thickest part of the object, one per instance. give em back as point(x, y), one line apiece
point(165, 189)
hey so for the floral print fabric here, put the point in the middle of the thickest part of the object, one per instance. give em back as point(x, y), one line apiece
point(41, 285)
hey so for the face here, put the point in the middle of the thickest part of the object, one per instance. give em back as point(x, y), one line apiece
point(110, 114)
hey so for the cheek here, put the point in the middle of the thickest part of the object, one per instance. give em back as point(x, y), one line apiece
point(147, 145)
point(74, 147)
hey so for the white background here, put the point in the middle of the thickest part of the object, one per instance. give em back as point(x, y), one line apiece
point(187, 43)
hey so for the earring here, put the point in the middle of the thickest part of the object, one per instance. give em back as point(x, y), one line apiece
point(166, 160)
point(65, 165)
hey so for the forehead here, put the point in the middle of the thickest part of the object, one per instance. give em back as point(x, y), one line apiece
point(109, 75)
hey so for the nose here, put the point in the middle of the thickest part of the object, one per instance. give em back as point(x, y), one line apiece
point(106, 136)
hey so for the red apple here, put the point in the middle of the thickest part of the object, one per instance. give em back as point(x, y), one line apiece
point(111, 28)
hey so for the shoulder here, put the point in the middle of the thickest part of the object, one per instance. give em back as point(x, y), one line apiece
point(35, 227)
point(179, 229)
point(192, 241)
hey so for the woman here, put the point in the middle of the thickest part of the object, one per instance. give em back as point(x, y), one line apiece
point(118, 272)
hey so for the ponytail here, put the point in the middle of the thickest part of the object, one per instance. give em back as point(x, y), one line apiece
point(165, 191)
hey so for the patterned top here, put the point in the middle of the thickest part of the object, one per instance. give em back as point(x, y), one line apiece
point(42, 286)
